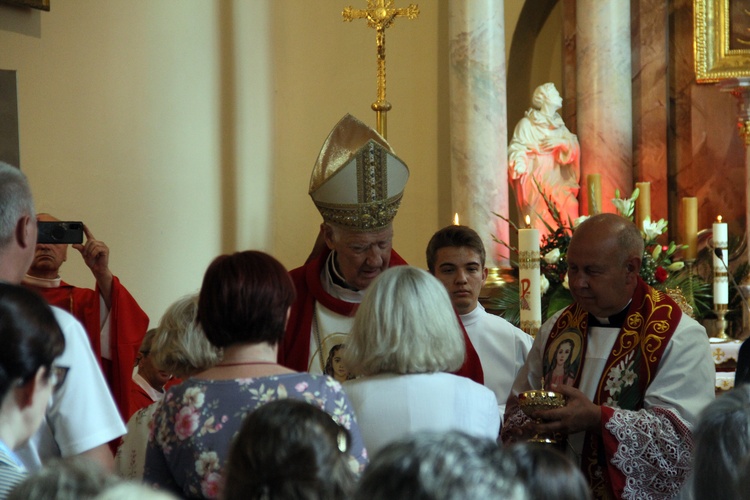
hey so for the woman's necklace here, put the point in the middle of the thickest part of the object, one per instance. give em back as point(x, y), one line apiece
point(243, 363)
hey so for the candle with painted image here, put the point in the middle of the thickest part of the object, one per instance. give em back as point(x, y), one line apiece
point(643, 203)
point(594, 184)
point(530, 295)
point(690, 227)
point(721, 278)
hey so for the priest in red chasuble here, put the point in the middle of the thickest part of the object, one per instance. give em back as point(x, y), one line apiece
point(637, 370)
point(113, 320)
point(357, 184)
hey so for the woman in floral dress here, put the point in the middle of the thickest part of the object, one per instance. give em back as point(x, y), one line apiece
point(243, 307)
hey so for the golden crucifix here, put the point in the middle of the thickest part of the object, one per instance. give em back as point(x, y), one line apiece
point(380, 14)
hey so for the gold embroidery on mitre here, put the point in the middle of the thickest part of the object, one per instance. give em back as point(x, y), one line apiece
point(361, 217)
point(350, 181)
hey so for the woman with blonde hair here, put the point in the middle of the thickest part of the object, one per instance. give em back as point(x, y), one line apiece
point(178, 347)
point(404, 343)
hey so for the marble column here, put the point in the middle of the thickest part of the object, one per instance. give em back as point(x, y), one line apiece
point(478, 122)
point(650, 66)
point(604, 95)
point(740, 89)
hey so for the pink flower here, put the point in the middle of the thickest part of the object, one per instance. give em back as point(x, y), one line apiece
point(661, 274)
point(211, 485)
point(301, 387)
point(186, 422)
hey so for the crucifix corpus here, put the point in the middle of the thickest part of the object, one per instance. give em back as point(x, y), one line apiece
point(380, 14)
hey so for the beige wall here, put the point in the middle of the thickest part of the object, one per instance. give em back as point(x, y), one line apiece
point(178, 130)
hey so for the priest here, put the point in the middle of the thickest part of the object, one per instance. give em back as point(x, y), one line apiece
point(638, 370)
point(357, 185)
point(113, 320)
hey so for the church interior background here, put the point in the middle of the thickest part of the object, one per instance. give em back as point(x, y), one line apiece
point(178, 130)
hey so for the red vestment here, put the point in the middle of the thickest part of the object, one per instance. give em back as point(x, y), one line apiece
point(138, 399)
point(294, 350)
point(127, 326)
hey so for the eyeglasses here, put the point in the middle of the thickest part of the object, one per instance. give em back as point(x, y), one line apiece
point(57, 376)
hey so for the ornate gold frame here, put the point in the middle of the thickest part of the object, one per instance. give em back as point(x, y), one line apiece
point(34, 4)
point(714, 60)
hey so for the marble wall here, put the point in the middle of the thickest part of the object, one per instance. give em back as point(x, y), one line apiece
point(685, 139)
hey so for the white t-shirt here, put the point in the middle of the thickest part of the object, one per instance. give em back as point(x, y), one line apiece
point(390, 407)
point(82, 414)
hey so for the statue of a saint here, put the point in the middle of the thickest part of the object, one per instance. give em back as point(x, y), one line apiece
point(543, 149)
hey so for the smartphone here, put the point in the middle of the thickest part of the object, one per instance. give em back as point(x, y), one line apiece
point(59, 232)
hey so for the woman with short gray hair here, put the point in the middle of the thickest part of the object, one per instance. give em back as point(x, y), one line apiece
point(405, 341)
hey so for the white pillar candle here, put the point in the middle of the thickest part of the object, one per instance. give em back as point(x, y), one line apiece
point(530, 295)
point(721, 278)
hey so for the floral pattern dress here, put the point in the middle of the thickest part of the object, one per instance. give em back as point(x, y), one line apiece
point(195, 424)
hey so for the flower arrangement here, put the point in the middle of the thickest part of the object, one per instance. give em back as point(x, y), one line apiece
point(660, 268)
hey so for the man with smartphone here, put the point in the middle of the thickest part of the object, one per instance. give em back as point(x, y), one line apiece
point(114, 321)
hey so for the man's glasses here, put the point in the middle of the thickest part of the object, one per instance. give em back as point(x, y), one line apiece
point(57, 376)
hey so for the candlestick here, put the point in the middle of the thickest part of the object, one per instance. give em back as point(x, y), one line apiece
point(643, 203)
point(721, 277)
point(594, 183)
point(690, 227)
point(530, 295)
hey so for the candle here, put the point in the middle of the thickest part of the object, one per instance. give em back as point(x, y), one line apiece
point(455, 219)
point(690, 227)
point(643, 203)
point(721, 279)
point(594, 183)
point(530, 295)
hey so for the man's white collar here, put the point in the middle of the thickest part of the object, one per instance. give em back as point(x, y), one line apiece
point(42, 282)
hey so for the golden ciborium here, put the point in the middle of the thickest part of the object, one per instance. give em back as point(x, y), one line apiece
point(533, 401)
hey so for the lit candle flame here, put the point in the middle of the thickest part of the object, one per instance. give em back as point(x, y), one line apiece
point(528, 221)
point(455, 219)
point(718, 219)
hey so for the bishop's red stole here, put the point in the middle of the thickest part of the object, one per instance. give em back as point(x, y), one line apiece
point(651, 320)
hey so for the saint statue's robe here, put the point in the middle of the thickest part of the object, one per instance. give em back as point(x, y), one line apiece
point(553, 173)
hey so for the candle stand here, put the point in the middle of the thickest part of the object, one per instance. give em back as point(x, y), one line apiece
point(721, 322)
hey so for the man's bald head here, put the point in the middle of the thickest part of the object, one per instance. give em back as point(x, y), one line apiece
point(612, 228)
point(604, 262)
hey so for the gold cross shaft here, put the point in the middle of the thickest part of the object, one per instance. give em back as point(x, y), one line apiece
point(380, 14)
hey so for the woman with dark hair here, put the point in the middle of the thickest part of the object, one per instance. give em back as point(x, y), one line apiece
point(31, 340)
point(547, 473)
point(243, 307)
point(289, 449)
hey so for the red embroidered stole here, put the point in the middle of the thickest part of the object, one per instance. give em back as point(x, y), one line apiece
point(632, 364)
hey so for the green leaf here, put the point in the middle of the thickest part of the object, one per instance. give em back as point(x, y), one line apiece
point(560, 298)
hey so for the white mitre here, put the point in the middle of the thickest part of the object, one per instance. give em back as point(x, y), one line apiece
point(358, 180)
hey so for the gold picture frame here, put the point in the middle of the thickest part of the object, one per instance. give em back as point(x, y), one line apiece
point(721, 48)
point(34, 4)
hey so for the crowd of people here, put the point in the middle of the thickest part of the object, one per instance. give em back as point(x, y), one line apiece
point(355, 375)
